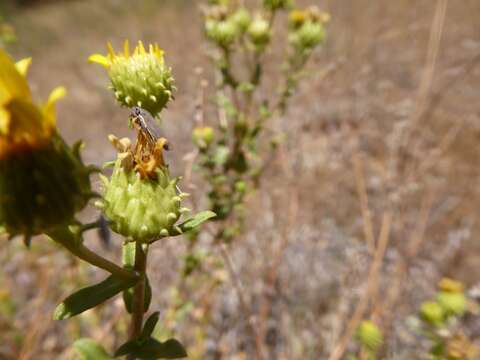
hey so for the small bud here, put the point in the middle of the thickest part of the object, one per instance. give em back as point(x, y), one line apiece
point(432, 313)
point(308, 36)
point(240, 186)
point(203, 136)
point(241, 19)
point(452, 303)
point(259, 33)
point(222, 32)
point(369, 335)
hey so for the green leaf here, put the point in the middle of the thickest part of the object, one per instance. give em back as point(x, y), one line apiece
point(91, 296)
point(90, 350)
point(151, 349)
point(128, 297)
point(150, 325)
point(195, 221)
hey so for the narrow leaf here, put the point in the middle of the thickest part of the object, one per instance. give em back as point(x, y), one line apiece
point(90, 350)
point(151, 349)
point(90, 297)
point(150, 325)
point(128, 297)
point(196, 221)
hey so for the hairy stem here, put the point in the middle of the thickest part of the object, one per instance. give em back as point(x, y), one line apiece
point(138, 293)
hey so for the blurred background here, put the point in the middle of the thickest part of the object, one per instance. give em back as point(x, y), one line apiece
point(383, 147)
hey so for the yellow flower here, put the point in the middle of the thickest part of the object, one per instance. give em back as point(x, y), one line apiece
point(23, 124)
point(43, 182)
point(139, 78)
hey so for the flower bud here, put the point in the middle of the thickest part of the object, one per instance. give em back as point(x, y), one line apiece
point(138, 79)
point(241, 18)
point(432, 313)
point(259, 33)
point(369, 335)
point(308, 35)
point(452, 303)
point(222, 32)
point(203, 136)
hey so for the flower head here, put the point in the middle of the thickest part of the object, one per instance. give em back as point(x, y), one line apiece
point(42, 181)
point(140, 78)
point(141, 200)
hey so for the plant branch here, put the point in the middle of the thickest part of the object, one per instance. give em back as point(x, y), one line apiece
point(70, 242)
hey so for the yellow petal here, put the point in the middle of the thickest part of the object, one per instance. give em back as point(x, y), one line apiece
point(27, 122)
point(12, 83)
point(49, 109)
point(4, 121)
point(111, 52)
point(100, 59)
point(141, 48)
point(23, 65)
point(126, 48)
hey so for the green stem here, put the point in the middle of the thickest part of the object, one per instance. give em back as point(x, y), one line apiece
point(138, 293)
point(70, 242)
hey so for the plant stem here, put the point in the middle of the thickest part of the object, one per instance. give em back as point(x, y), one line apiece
point(138, 293)
point(89, 256)
point(68, 240)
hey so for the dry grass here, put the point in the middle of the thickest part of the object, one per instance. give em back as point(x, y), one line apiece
point(373, 197)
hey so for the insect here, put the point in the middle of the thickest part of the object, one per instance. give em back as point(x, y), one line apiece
point(144, 122)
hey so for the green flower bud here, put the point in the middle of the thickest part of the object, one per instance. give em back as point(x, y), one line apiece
point(203, 136)
point(308, 36)
point(452, 303)
point(241, 18)
point(277, 4)
point(369, 335)
point(259, 33)
point(138, 79)
point(141, 209)
point(222, 32)
point(240, 186)
point(432, 313)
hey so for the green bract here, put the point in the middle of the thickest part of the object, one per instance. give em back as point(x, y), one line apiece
point(142, 209)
